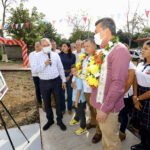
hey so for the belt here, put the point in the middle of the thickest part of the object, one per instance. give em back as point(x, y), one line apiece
point(51, 79)
point(67, 70)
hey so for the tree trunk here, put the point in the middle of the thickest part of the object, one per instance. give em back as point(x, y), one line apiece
point(3, 22)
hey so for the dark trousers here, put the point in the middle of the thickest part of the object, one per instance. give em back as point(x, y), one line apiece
point(47, 87)
point(37, 89)
point(123, 115)
point(69, 97)
point(145, 138)
point(80, 114)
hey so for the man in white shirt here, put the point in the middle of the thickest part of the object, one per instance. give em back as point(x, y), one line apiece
point(50, 71)
point(32, 59)
point(78, 50)
point(54, 46)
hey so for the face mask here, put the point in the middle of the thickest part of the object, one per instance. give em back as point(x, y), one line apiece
point(47, 49)
point(97, 39)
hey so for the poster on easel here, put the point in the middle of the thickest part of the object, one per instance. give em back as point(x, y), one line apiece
point(3, 86)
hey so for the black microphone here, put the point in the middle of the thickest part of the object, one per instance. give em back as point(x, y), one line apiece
point(49, 56)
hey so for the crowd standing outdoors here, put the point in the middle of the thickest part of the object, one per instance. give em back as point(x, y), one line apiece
point(114, 89)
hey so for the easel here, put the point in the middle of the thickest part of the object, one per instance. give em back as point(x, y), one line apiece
point(4, 124)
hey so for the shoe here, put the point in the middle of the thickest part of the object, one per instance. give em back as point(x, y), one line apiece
point(80, 131)
point(137, 147)
point(63, 112)
point(62, 126)
point(47, 125)
point(89, 126)
point(96, 138)
point(122, 136)
point(70, 112)
point(73, 122)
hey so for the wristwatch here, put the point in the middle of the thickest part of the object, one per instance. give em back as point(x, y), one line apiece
point(137, 98)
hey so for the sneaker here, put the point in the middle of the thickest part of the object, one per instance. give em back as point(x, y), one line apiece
point(73, 122)
point(80, 131)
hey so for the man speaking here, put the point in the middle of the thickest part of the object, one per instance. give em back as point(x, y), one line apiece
point(50, 71)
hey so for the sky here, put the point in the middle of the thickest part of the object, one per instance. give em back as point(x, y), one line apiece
point(60, 9)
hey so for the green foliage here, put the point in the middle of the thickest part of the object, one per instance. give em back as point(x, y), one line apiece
point(80, 34)
point(123, 37)
point(36, 30)
point(144, 34)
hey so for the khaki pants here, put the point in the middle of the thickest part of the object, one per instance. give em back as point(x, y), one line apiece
point(93, 113)
point(110, 133)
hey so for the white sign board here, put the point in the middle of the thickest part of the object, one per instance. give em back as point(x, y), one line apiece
point(3, 86)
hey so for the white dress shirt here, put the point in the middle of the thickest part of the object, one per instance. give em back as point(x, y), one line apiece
point(143, 75)
point(77, 55)
point(32, 60)
point(130, 91)
point(47, 72)
point(57, 51)
point(87, 88)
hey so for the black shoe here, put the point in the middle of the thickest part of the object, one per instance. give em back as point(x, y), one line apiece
point(62, 126)
point(137, 147)
point(47, 125)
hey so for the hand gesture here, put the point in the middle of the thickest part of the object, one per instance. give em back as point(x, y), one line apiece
point(48, 62)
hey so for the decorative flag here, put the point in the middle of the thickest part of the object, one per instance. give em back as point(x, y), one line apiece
point(16, 26)
point(6, 26)
point(21, 25)
point(91, 18)
point(12, 25)
point(118, 16)
point(72, 20)
point(1, 27)
point(54, 21)
point(45, 22)
point(98, 17)
point(27, 24)
point(85, 19)
point(78, 19)
point(112, 16)
point(60, 20)
point(147, 13)
point(68, 21)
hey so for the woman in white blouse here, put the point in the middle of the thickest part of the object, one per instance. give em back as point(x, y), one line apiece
point(141, 98)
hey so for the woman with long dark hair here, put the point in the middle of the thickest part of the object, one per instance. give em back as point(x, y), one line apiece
point(141, 98)
point(68, 59)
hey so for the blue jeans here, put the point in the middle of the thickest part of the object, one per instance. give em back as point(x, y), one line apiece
point(69, 96)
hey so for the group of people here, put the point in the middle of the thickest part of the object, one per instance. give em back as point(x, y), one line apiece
point(123, 88)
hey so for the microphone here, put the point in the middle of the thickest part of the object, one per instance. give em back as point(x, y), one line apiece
point(49, 56)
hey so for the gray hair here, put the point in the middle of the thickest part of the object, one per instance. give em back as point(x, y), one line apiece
point(37, 43)
point(45, 39)
point(73, 44)
point(91, 41)
point(79, 41)
point(107, 23)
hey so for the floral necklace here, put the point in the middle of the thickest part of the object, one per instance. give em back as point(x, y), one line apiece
point(94, 64)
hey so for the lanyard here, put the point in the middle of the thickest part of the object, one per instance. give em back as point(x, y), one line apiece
point(145, 67)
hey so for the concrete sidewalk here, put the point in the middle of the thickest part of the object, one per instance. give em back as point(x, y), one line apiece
point(55, 139)
point(32, 132)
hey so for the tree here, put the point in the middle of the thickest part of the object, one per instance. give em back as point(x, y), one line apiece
point(80, 34)
point(6, 4)
point(81, 26)
point(134, 25)
point(145, 33)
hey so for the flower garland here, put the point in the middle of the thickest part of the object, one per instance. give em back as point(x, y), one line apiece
point(94, 64)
